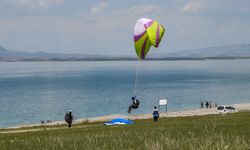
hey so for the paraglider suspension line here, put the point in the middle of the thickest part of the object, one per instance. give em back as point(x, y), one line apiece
point(136, 76)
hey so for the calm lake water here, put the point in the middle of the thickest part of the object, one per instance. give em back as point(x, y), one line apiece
point(34, 91)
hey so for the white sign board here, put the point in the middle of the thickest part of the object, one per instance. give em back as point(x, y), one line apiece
point(163, 102)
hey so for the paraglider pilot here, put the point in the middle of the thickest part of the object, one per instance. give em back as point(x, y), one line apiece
point(134, 105)
point(69, 118)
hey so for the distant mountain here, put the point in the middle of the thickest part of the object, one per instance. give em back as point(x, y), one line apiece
point(219, 52)
point(239, 50)
point(17, 55)
point(2, 49)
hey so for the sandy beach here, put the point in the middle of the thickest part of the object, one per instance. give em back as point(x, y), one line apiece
point(182, 113)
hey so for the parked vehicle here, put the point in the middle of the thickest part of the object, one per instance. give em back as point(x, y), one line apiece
point(226, 109)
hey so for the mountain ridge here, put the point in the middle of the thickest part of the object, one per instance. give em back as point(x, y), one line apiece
point(236, 50)
point(12, 54)
point(215, 52)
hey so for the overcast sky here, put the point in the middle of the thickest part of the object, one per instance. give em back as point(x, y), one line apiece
point(106, 26)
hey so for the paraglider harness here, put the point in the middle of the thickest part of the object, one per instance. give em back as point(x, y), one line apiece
point(68, 117)
point(135, 103)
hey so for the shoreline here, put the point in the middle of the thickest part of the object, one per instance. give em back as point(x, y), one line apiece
point(181, 113)
point(76, 59)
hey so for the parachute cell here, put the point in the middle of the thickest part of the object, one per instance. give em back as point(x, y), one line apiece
point(147, 32)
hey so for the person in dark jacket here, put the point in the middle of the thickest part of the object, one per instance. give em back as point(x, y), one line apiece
point(69, 118)
point(135, 104)
point(155, 113)
point(207, 104)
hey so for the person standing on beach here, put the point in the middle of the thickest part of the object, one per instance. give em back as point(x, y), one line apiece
point(155, 113)
point(201, 104)
point(69, 118)
point(207, 104)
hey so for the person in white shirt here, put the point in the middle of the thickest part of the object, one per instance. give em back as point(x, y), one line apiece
point(155, 113)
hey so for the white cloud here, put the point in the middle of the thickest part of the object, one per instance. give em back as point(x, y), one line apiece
point(192, 6)
point(31, 4)
point(145, 9)
point(100, 7)
point(214, 25)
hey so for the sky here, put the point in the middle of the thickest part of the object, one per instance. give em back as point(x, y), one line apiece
point(106, 26)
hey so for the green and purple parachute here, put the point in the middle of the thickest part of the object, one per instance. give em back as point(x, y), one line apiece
point(147, 32)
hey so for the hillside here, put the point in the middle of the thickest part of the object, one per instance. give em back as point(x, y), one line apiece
point(6, 54)
point(2, 49)
point(240, 50)
point(228, 51)
point(228, 131)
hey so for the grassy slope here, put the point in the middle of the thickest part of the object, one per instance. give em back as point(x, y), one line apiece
point(231, 131)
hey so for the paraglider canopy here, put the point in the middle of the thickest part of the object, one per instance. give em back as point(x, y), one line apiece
point(119, 121)
point(147, 32)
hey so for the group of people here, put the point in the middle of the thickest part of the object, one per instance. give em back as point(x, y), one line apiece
point(134, 105)
point(48, 121)
point(208, 104)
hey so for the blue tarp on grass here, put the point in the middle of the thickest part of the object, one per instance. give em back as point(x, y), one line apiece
point(119, 121)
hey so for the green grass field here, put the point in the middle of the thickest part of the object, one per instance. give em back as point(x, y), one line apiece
point(230, 131)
